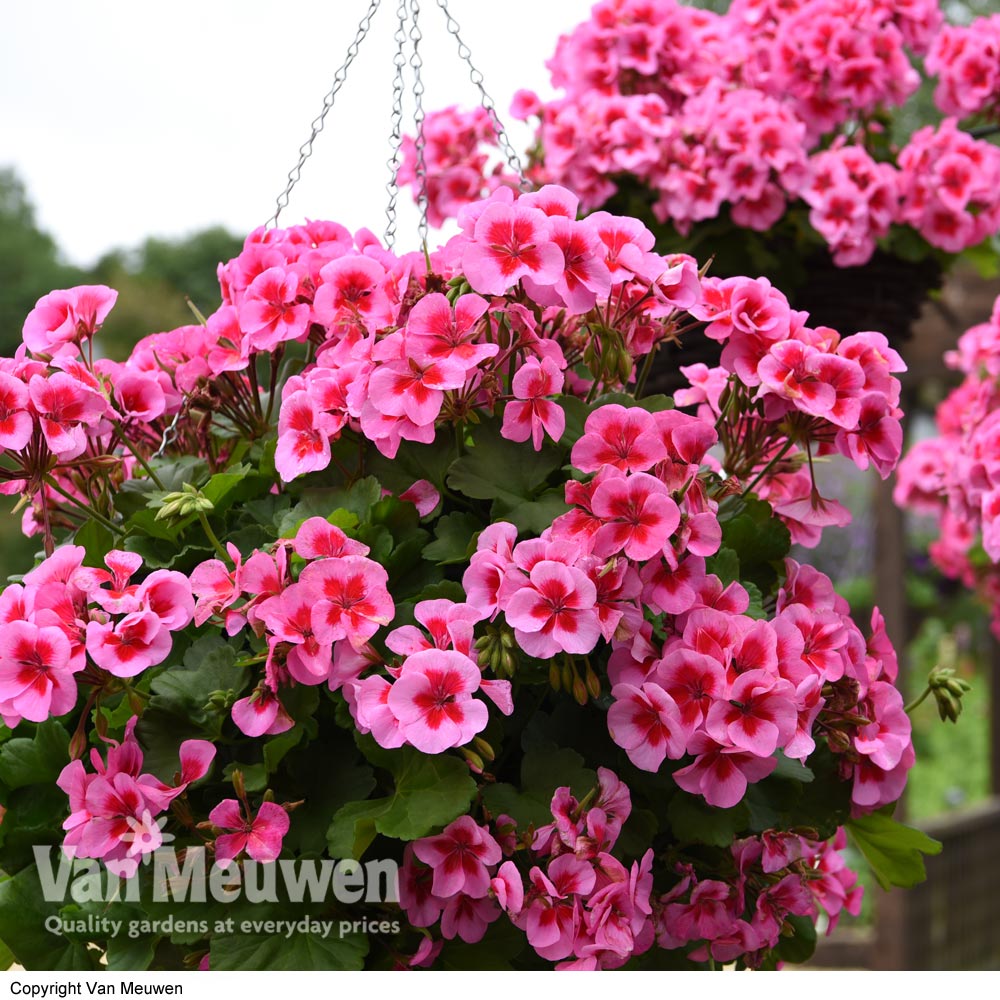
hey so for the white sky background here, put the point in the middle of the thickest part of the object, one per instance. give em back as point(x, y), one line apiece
point(132, 118)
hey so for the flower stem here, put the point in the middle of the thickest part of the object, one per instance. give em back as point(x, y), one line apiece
point(128, 444)
point(99, 518)
point(223, 554)
point(917, 701)
point(767, 468)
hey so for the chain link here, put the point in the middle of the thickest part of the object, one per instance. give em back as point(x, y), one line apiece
point(306, 149)
point(396, 135)
point(420, 143)
point(503, 140)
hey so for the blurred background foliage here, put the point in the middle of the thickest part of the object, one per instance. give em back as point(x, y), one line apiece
point(154, 282)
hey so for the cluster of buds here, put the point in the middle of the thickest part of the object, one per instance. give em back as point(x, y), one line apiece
point(182, 503)
point(564, 676)
point(948, 690)
point(498, 651)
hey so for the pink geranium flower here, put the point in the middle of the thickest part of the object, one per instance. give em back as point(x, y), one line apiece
point(531, 414)
point(260, 837)
point(16, 423)
point(647, 724)
point(721, 774)
point(36, 679)
point(555, 612)
point(626, 439)
point(460, 856)
point(638, 514)
point(432, 699)
point(65, 316)
point(351, 599)
point(511, 242)
point(128, 647)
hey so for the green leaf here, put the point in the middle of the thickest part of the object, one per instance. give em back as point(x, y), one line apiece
point(278, 746)
point(239, 483)
point(429, 792)
point(761, 539)
point(799, 946)
point(97, 540)
point(299, 953)
point(576, 411)
point(693, 819)
point(893, 851)
point(180, 708)
point(35, 760)
point(23, 913)
point(453, 537)
point(793, 770)
point(543, 769)
point(725, 564)
point(498, 469)
point(533, 516)
point(358, 500)
point(131, 954)
point(413, 461)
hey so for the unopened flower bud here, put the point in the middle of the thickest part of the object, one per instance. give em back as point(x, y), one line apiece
point(483, 748)
point(555, 675)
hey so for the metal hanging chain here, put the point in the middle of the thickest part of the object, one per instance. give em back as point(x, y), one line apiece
point(306, 149)
point(420, 143)
point(503, 140)
point(396, 135)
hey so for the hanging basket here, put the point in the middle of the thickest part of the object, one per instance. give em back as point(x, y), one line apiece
point(887, 294)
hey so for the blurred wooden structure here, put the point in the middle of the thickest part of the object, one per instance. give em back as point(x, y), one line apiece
point(951, 921)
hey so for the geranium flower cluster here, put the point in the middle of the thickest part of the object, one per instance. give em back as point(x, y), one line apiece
point(412, 516)
point(966, 62)
point(756, 113)
point(955, 476)
point(445, 357)
point(580, 906)
point(840, 390)
point(67, 619)
point(114, 809)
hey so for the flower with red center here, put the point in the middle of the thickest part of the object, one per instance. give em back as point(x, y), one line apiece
point(408, 389)
point(555, 612)
point(511, 242)
point(530, 414)
point(638, 514)
point(270, 312)
point(35, 676)
point(259, 837)
point(125, 649)
point(647, 724)
point(624, 438)
point(350, 598)
point(64, 405)
point(759, 716)
point(720, 773)
point(432, 699)
point(436, 333)
point(303, 444)
point(460, 855)
point(67, 315)
point(16, 423)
